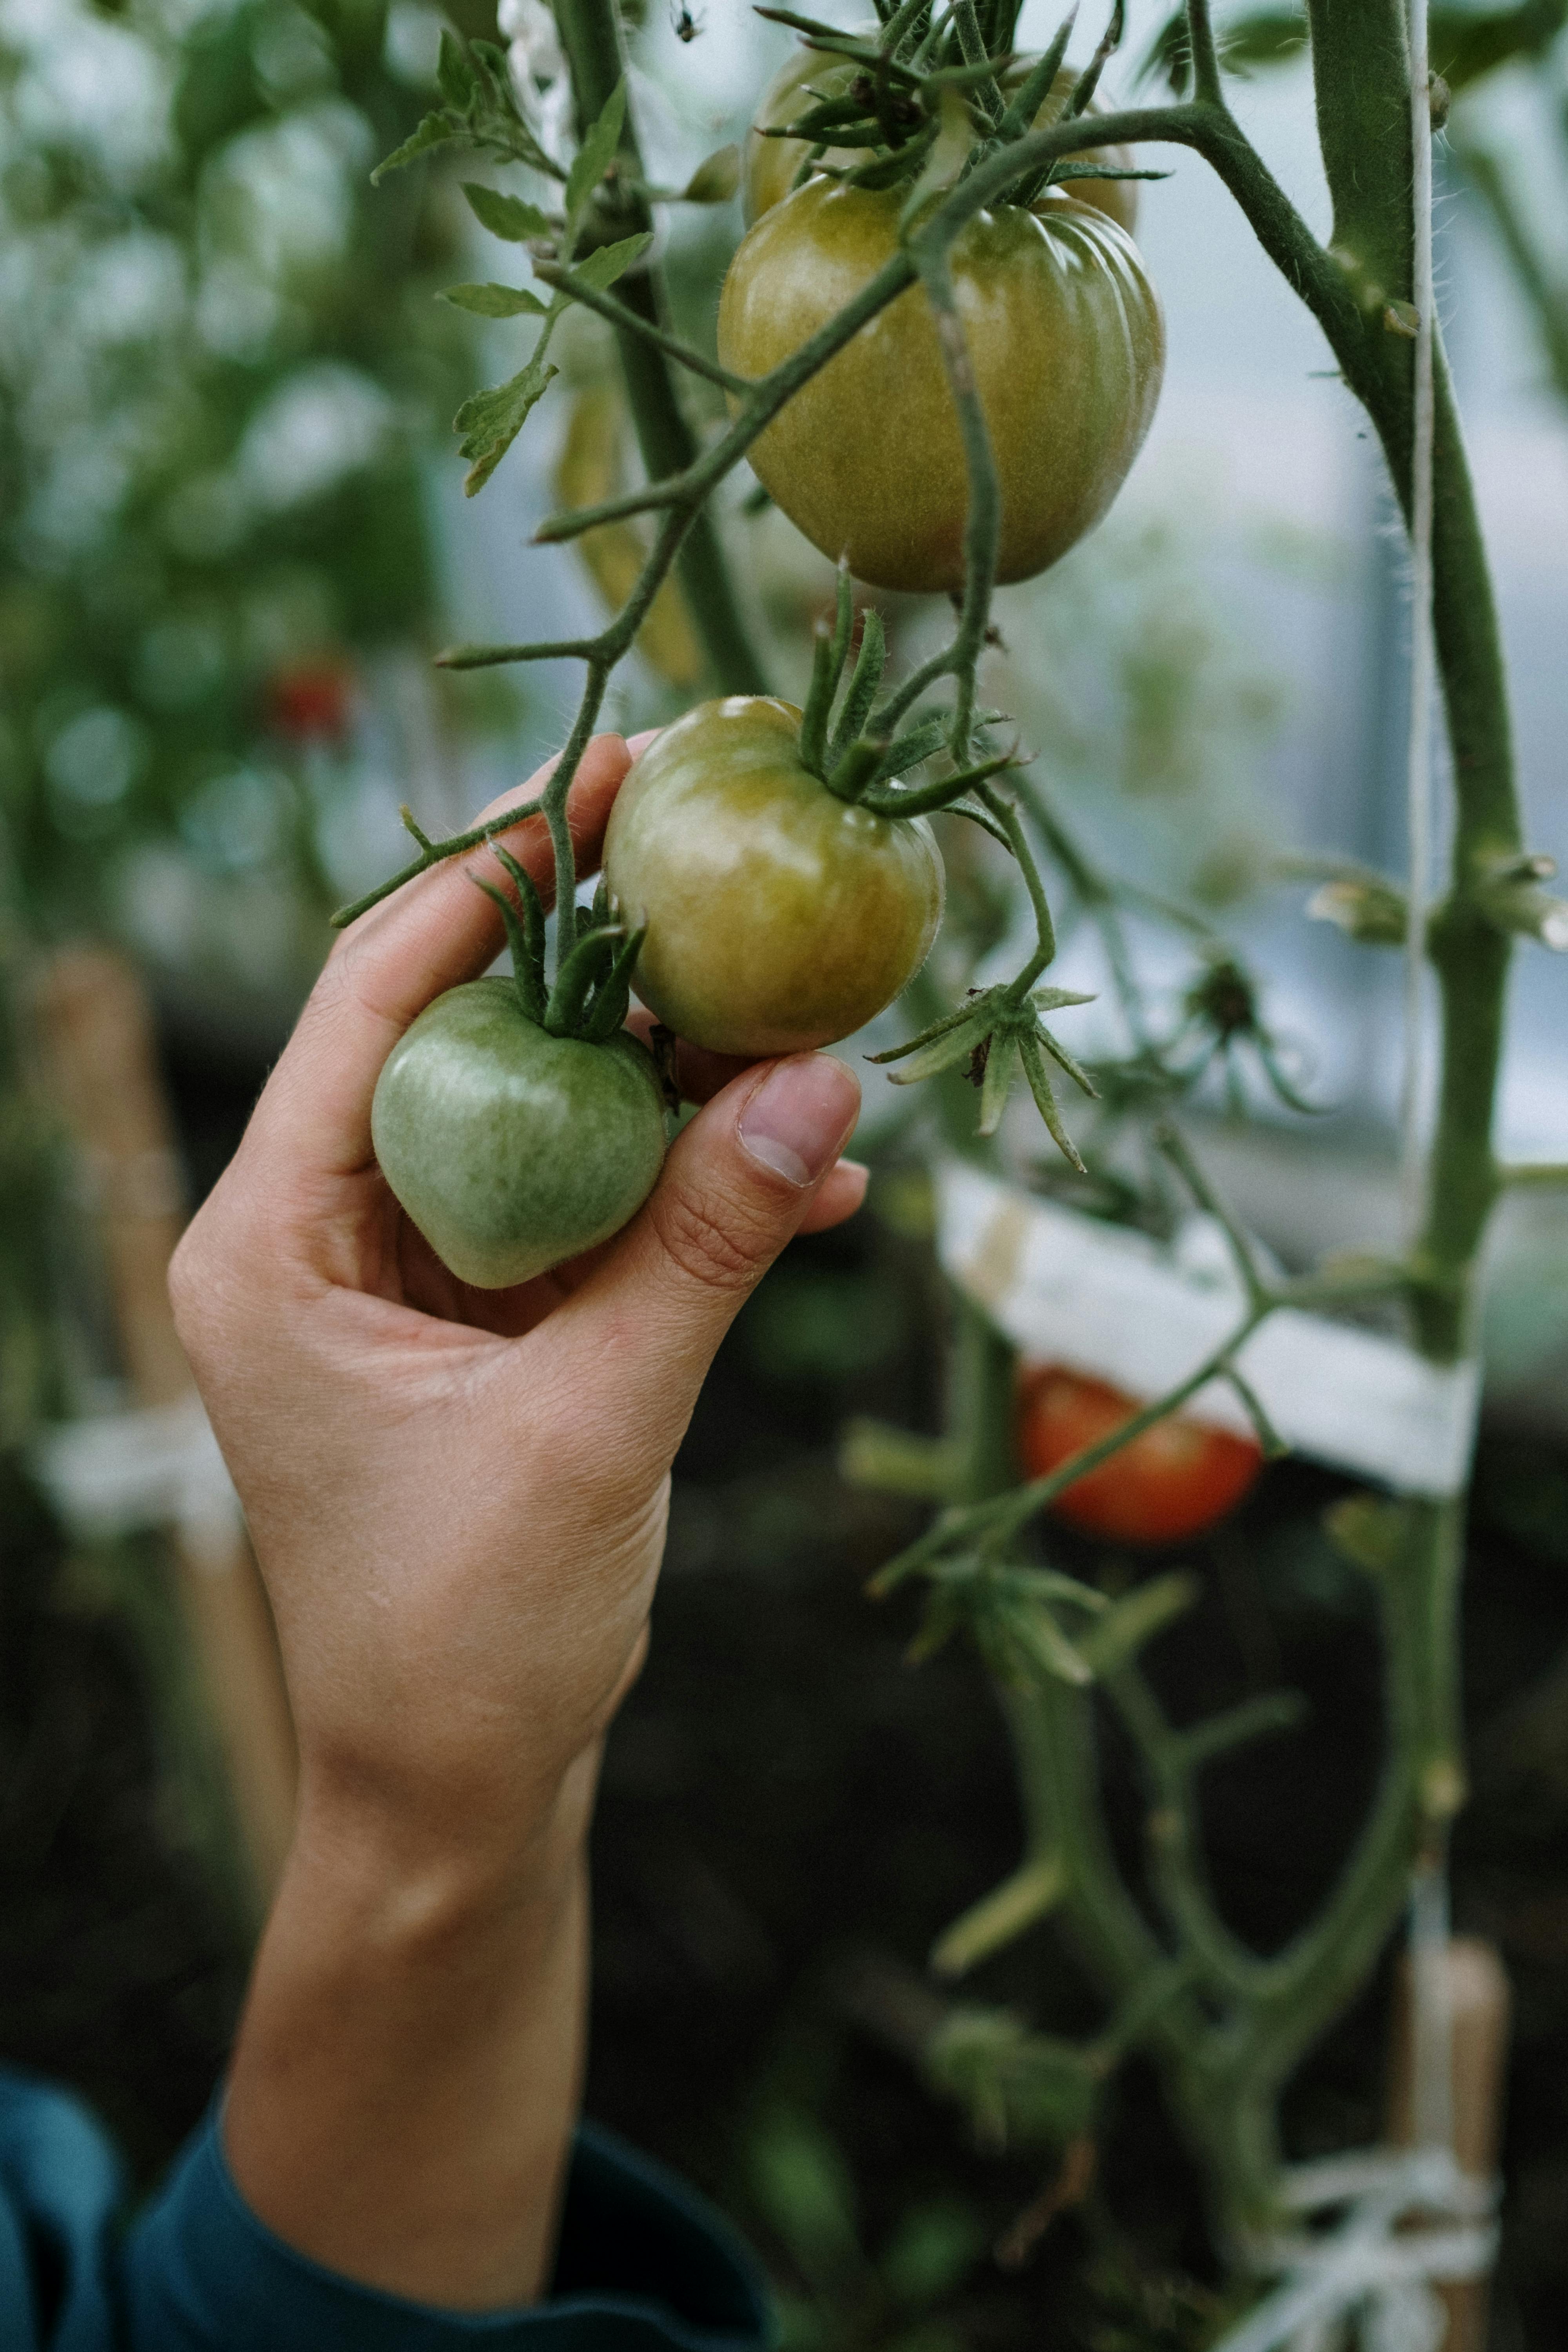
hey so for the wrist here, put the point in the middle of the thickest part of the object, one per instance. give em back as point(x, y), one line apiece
point(408, 2070)
point(419, 1863)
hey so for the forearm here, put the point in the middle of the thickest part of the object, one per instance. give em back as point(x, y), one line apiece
point(406, 2074)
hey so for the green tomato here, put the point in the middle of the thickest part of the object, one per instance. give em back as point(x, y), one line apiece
point(779, 918)
point(510, 1148)
point(1067, 346)
point(769, 165)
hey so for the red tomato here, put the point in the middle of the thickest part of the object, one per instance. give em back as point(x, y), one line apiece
point(1173, 1481)
point(310, 702)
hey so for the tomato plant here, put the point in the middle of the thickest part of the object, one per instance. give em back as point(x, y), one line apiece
point(1067, 344)
point(778, 916)
point(518, 1129)
point(1171, 1482)
point(770, 163)
point(943, 377)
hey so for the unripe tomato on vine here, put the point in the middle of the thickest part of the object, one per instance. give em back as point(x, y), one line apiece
point(779, 916)
point(769, 164)
point(518, 1127)
point(1174, 1481)
point(1067, 346)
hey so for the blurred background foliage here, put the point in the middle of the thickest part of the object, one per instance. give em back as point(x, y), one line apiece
point(221, 378)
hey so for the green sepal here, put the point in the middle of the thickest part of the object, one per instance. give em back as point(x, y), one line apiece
point(924, 799)
point(865, 679)
point(943, 1053)
point(901, 164)
point(1001, 1052)
point(1027, 100)
point(818, 702)
point(1064, 1060)
point(849, 776)
point(525, 977)
point(593, 954)
point(948, 1021)
point(828, 114)
point(1035, 1070)
point(612, 997)
point(532, 905)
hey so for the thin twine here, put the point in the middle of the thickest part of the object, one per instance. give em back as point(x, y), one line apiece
point(1419, 771)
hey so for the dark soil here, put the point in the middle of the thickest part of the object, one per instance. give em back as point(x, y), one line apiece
point(790, 1813)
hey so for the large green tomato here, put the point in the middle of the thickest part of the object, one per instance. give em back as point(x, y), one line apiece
point(1069, 348)
point(769, 166)
point(779, 918)
point(510, 1148)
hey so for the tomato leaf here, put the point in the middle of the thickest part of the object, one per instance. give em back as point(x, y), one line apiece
point(491, 421)
point(494, 301)
point(593, 157)
point(435, 131)
point(505, 216)
point(455, 76)
point(601, 267)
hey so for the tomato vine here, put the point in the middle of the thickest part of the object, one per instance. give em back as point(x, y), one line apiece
point(1225, 2026)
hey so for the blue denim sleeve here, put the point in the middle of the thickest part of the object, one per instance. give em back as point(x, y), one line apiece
point(643, 2267)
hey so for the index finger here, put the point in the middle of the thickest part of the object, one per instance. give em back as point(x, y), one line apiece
point(437, 932)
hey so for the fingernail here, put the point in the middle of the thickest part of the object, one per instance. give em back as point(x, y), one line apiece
point(637, 743)
point(800, 1115)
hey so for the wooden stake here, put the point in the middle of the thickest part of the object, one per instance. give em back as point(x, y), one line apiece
point(96, 1033)
point(1479, 2000)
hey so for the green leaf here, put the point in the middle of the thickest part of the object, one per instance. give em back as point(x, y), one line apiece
point(435, 131)
point(601, 267)
point(928, 2252)
point(805, 2188)
point(491, 421)
point(455, 76)
point(716, 178)
point(593, 157)
point(494, 301)
point(505, 216)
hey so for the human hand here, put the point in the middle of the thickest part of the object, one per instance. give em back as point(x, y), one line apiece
point(457, 1499)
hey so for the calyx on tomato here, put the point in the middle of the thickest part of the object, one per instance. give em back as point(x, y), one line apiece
point(517, 1125)
point(1067, 343)
point(809, 80)
point(788, 885)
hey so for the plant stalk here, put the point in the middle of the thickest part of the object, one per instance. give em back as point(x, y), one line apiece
point(592, 37)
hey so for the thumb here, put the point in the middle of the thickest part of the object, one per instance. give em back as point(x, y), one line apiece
point(735, 1187)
